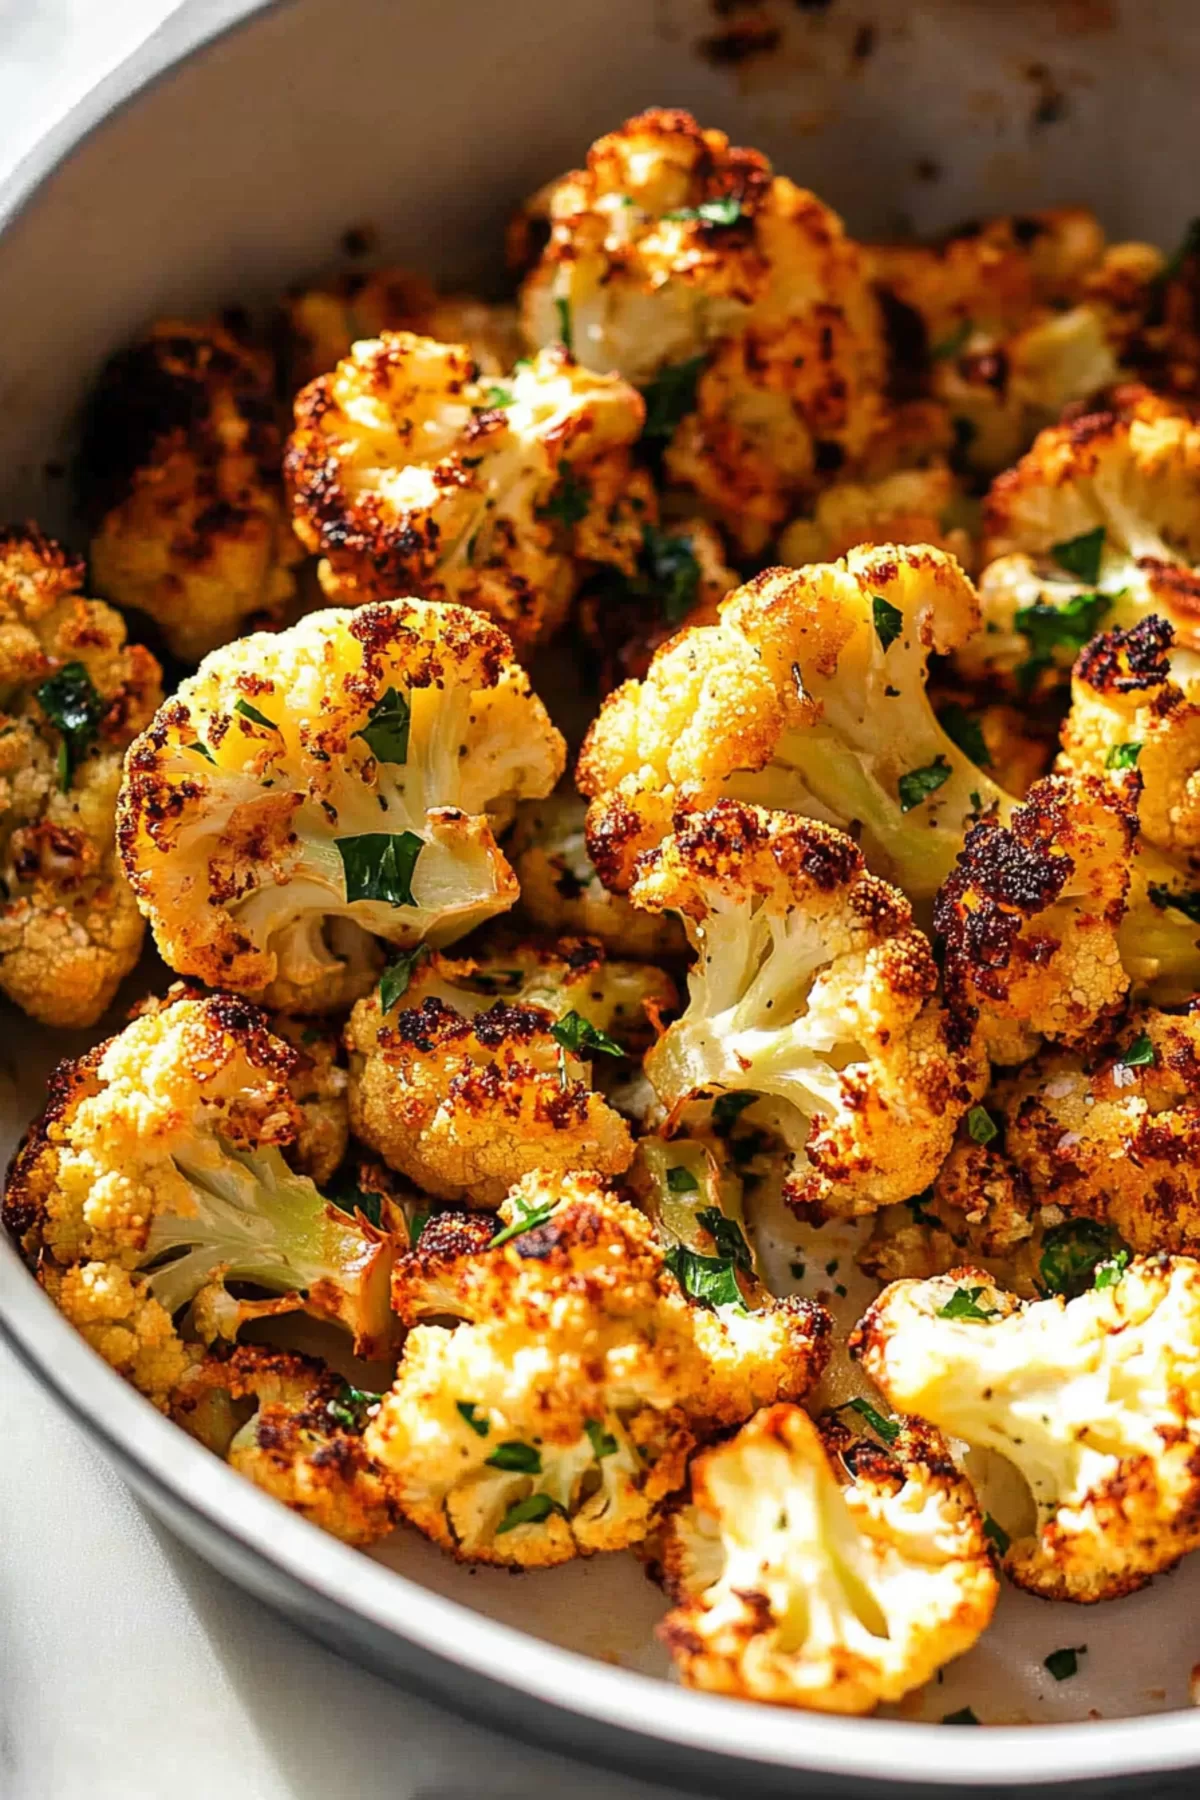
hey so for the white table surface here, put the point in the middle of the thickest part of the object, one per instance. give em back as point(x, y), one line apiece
point(128, 1669)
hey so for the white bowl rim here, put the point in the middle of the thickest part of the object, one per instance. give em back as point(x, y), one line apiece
point(882, 1750)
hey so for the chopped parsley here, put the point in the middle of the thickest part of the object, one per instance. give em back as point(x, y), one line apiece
point(728, 1109)
point(887, 1429)
point(528, 1219)
point(1081, 555)
point(964, 1304)
point(919, 784)
point(1123, 756)
point(1111, 1271)
point(470, 1412)
point(570, 500)
point(518, 1458)
point(498, 396)
point(344, 1192)
point(204, 751)
point(953, 342)
point(709, 1279)
point(379, 865)
point(964, 1716)
point(603, 1442)
point(416, 1226)
point(393, 983)
point(964, 729)
point(728, 1236)
point(981, 1125)
point(1188, 904)
point(669, 570)
point(1071, 1254)
point(252, 713)
point(671, 396)
point(1050, 628)
point(682, 1181)
point(575, 1033)
point(996, 1533)
point(889, 620)
point(1140, 1054)
point(71, 703)
point(533, 1510)
point(352, 1407)
point(727, 210)
point(1062, 1664)
point(386, 730)
point(563, 308)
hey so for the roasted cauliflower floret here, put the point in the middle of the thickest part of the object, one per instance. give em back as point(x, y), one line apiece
point(180, 460)
point(558, 1417)
point(562, 893)
point(123, 1322)
point(161, 1151)
point(1116, 1136)
point(318, 1086)
point(1095, 1401)
point(910, 506)
point(732, 297)
point(73, 693)
point(811, 989)
point(293, 1428)
point(304, 790)
point(323, 323)
point(409, 472)
point(980, 1208)
point(681, 579)
point(815, 1569)
point(808, 695)
point(1029, 917)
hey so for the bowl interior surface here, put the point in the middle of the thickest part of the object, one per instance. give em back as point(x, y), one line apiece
point(238, 173)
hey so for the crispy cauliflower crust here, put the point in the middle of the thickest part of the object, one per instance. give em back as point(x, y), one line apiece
point(809, 695)
point(180, 463)
point(1096, 1402)
point(303, 790)
point(815, 1569)
point(1029, 916)
point(980, 1209)
point(73, 693)
point(812, 989)
point(558, 1417)
point(323, 323)
point(409, 472)
point(294, 1428)
point(160, 1152)
point(122, 1321)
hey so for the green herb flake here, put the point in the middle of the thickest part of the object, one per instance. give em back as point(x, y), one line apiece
point(534, 1510)
point(682, 1181)
point(416, 1226)
point(344, 1192)
point(1140, 1054)
point(670, 572)
point(517, 1458)
point(953, 342)
point(981, 1125)
point(73, 706)
point(1071, 1254)
point(578, 1035)
point(709, 1279)
point(964, 729)
point(393, 983)
point(964, 1304)
point(919, 784)
point(530, 1217)
point(1188, 904)
point(252, 713)
point(563, 308)
point(728, 1236)
point(386, 730)
point(887, 1429)
point(204, 751)
point(570, 500)
point(470, 1412)
point(728, 1109)
point(889, 620)
point(603, 1442)
point(1110, 1272)
point(964, 1716)
point(1123, 756)
point(1062, 1664)
point(996, 1534)
point(1080, 556)
point(797, 1271)
point(495, 395)
point(352, 1407)
point(671, 396)
point(726, 210)
point(379, 865)
point(1050, 628)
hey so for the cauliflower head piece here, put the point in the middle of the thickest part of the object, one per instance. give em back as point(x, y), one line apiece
point(485, 1071)
point(73, 692)
point(808, 696)
point(161, 1151)
point(733, 298)
point(907, 506)
point(323, 323)
point(1029, 916)
point(979, 1209)
point(180, 460)
point(410, 472)
point(304, 791)
point(116, 1313)
point(1095, 1401)
point(291, 1426)
point(811, 989)
point(813, 1568)
point(556, 1419)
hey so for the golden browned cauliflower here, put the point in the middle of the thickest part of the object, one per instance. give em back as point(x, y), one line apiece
point(318, 1086)
point(409, 472)
point(485, 1071)
point(558, 1417)
point(1095, 1401)
point(306, 790)
point(323, 323)
point(813, 1568)
point(909, 506)
point(181, 466)
point(1029, 916)
point(561, 893)
point(117, 1314)
point(812, 990)
point(73, 693)
point(733, 298)
point(809, 695)
point(161, 1152)
point(294, 1428)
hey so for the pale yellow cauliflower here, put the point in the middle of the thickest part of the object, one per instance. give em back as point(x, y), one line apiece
point(324, 322)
